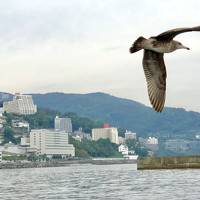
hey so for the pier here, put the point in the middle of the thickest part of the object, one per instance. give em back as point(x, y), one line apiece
point(178, 162)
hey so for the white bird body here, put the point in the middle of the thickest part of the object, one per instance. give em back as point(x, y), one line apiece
point(162, 47)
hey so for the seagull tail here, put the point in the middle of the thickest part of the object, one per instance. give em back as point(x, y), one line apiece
point(137, 45)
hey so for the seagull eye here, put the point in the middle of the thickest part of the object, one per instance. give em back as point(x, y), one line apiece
point(179, 43)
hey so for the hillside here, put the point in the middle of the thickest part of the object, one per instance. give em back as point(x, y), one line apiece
point(123, 113)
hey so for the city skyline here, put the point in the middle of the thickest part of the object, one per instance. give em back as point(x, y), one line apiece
point(82, 47)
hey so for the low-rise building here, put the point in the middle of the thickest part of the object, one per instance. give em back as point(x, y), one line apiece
point(20, 124)
point(123, 149)
point(121, 140)
point(130, 135)
point(51, 142)
point(12, 149)
point(77, 137)
point(150, 143)
point(152, 140)
point(81, 134)
point(25, 141)
point(105, 133)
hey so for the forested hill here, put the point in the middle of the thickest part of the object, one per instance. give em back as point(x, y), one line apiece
point(122, 113)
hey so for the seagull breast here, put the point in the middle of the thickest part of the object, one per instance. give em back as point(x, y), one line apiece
point(159, 46)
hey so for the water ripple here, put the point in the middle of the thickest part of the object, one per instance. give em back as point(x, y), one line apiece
point(109, 182)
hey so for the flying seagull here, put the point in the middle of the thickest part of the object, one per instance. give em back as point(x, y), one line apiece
point(153, 62)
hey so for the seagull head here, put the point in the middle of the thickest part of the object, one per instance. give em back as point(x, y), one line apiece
point(180, 46)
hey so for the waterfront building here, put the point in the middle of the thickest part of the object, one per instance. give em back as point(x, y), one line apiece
point(123, 149)
point(152, 140)
point(25, 141)
point(77, 137)
point(12, 149)
point(121, 140)
point(51, 142)
point(87, 136)
point(151, 143)
point(21, 105)
point(110, 133)
point(63, 124)
point(130, 135)
point(81, 134)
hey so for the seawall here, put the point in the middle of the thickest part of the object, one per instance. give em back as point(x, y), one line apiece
point(109, 161)
point(179, 162)
point(14, 165)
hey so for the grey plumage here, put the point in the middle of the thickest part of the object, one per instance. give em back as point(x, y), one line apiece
point(153, 62)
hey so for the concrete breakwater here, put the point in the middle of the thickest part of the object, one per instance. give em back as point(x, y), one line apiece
point(14, 165)
point(108, 161)
point(178, 162)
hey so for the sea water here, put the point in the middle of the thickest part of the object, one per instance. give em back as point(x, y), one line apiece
point(99, 182)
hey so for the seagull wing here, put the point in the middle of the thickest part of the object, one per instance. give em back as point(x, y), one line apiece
point(155, 72)
point(169, 35)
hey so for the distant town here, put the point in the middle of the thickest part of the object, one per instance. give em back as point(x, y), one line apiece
point(21, 141)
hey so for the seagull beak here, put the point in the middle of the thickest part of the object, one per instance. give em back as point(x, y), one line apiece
point(184, 47)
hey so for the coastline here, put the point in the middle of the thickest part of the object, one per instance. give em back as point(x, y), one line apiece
point(108, 161)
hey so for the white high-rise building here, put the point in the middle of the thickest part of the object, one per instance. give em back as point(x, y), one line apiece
point(21, 105)
point(51, 142)
point(63, 124)
point(105, 133)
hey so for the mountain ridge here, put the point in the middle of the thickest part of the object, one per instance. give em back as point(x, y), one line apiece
point(124, 113)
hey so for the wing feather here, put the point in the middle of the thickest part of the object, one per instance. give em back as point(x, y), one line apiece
point(169, 35)
point(155, 73)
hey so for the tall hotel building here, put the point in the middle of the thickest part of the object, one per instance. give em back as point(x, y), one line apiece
point(105, 133)
point(21, 105)
point(51, 142)
point(63, 124)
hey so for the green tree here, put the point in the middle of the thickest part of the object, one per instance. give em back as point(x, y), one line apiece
point(9, 135)
point(134, 145)
point(100, 148)
point(131, 143)
point(84, 122)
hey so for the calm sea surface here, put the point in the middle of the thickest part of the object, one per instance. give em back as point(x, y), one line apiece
point(99, 182)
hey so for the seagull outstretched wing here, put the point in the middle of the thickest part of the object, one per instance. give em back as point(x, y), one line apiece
point(169, 35)
point(155, 72)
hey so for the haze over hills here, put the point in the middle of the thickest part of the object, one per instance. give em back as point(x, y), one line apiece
point(122, 113)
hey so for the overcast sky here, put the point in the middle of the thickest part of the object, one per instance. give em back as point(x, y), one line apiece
point(81, 46)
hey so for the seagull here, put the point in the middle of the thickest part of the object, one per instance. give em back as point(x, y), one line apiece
point(153, 61)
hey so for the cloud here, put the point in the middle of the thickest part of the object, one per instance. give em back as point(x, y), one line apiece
point(82, 46)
